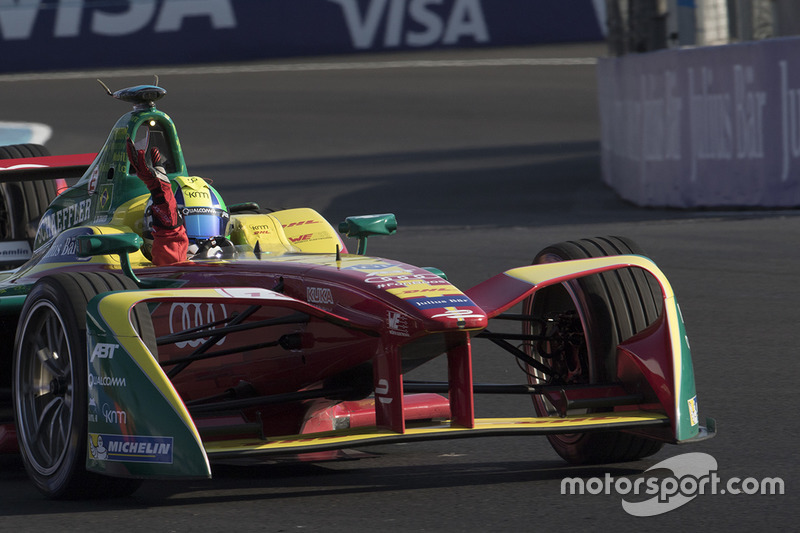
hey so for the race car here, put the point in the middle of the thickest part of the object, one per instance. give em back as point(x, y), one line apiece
point(283, 343)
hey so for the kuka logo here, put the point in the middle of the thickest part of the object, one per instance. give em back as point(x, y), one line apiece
point(319, 295)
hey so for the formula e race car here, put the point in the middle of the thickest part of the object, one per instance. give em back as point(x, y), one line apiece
point(114, 369)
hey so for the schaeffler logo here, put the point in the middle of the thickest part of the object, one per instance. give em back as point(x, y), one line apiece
point(693, 474)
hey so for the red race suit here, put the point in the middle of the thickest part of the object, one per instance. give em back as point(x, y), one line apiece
point(170, 243)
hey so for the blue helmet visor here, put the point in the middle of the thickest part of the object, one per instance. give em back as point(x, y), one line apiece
point(204, 222)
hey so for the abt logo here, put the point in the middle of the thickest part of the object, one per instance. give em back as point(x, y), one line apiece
point(103, 351)
point(111, 18)
point(414, 23)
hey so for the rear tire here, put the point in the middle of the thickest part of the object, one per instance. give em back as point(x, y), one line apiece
point(23, 203)
point(50, 384)
point(604, 310)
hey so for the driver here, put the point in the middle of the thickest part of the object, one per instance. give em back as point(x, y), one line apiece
point(192, 221)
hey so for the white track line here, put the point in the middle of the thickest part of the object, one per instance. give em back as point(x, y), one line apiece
point(24, 132)
point(301, 67)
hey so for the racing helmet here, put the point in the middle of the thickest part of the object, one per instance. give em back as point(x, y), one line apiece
point(204, 213)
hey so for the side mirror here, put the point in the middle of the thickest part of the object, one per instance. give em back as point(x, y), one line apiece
point(365, 226)
point(116, 243)
point(120, 244)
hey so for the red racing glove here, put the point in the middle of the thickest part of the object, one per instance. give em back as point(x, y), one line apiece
point(170, 243)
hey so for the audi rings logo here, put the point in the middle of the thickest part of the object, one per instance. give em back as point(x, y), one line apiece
point(185, 316)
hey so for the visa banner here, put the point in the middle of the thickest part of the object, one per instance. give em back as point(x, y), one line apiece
point(68, 34)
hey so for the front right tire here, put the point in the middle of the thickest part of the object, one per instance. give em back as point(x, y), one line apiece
point(587, 318)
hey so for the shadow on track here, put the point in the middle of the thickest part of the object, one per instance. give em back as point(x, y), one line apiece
point(290, 481)
point(551, 183)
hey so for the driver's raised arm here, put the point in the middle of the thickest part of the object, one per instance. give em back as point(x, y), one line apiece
point(170, 243)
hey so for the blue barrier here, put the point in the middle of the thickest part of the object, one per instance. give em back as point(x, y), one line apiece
point(703, 127)
point(51, 34)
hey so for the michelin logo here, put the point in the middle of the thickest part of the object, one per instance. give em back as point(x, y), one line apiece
point(131, 448)
point(96, 448)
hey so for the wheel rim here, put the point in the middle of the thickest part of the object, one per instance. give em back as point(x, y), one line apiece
point(44, 388)
point(588, 370)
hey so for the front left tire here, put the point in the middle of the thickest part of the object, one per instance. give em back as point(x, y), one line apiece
point(50, 384)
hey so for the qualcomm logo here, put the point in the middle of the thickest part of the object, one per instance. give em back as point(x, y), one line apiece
point(18, 19)
point(414, 23)
point(106, 381)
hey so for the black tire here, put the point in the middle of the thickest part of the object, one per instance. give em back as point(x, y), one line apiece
point(607, 309)
point(23, 203)
point(50, 393)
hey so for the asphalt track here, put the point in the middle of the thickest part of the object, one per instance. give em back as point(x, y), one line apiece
point(484, 164)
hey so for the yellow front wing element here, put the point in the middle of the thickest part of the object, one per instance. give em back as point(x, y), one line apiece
point(546, 274)
point(430, 431)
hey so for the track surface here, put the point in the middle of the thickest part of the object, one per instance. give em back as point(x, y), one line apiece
point(484, 166)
